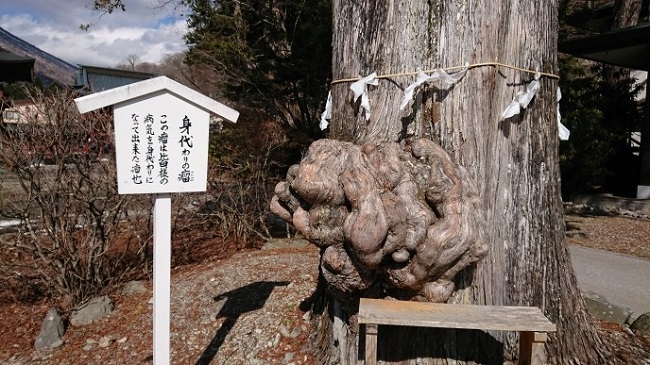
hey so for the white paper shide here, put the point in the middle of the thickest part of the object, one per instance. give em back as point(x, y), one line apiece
point(360, 90)
point(447, 80)
point(520, 102)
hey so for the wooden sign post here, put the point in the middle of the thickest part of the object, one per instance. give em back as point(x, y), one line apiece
point(161, 147)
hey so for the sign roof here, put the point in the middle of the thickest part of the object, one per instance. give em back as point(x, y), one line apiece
point(154, 86)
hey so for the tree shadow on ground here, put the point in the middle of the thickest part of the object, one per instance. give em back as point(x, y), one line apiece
point(239, 301)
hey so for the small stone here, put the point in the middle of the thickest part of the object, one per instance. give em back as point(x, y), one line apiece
point(642, 324)
point(284, 331)
point(307, 316)
point(122, 340)
point(295, 332)
point(276, 340)
point(51, 331)
point(251, 354)
point(600, 308)
point(106, 341)
point(88, 347)
point(92, 311)
point(134, 287)
point(251, 341)
point(288, 357)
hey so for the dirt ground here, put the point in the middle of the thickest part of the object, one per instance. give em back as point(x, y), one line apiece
point(270, 330)
point(619, 234)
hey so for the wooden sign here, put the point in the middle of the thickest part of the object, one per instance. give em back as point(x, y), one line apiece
point(161, 147)
point(161, 134)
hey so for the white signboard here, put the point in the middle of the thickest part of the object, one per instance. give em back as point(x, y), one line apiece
point(161, 145)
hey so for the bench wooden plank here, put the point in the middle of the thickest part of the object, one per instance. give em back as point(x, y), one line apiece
point(461, 316)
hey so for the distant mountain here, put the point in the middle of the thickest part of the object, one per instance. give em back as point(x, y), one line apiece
point(47, 67)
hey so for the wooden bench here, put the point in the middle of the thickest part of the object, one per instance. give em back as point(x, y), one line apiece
point(528, 321)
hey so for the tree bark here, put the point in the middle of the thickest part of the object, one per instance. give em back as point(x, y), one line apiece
point(513, 164)
point(626, 13)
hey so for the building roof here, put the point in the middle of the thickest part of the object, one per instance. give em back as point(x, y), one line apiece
point(47, 68)
point(8, 57)
point(15, 68)
point(98, 79)
point(627, 47)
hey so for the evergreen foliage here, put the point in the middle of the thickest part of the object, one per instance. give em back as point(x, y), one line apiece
point(601, 112)
point(273, 55)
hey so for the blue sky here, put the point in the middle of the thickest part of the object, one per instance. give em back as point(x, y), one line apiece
point(144, 29)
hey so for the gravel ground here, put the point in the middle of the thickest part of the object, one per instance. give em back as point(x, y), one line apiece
point(249, 309)
point(630, 236)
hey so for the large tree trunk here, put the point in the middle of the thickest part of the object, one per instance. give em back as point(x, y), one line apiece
point(513, 164)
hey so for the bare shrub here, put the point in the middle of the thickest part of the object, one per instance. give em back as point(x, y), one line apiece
point(75, 234)
point(247, 159)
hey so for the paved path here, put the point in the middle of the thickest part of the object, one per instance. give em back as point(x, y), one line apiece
point(623, 280)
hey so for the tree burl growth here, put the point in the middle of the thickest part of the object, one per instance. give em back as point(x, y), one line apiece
point(403, 219)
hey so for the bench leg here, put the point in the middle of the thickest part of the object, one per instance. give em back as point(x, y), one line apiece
point(371, 344)
point(531, 348)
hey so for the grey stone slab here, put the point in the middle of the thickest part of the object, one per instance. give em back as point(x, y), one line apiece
point(92, 311)
point(52, 330)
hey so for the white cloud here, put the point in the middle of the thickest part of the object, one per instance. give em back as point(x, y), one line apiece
point(143, 29)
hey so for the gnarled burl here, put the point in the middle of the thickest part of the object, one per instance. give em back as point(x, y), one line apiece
point(403, 219)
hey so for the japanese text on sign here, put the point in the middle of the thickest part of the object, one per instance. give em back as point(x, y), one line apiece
point(164, 148)
point(155, 150)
